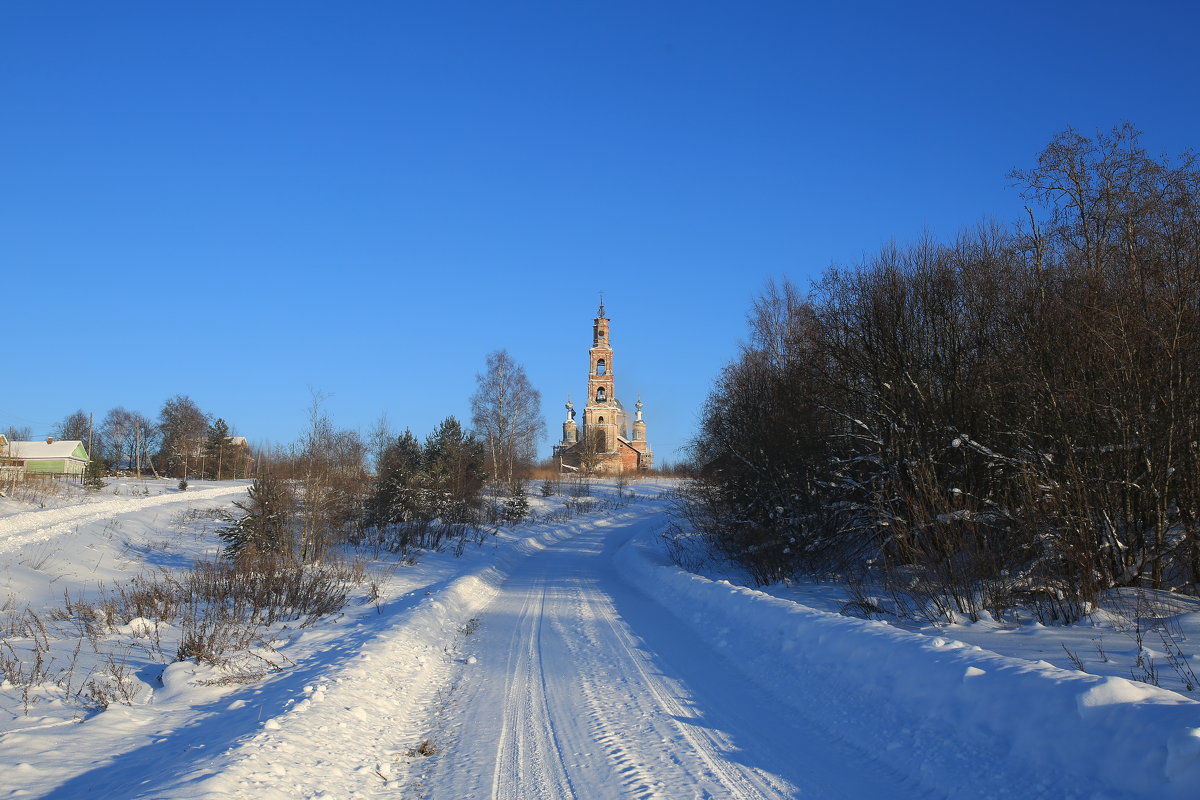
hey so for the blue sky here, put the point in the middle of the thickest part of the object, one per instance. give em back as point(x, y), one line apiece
point(249, 201)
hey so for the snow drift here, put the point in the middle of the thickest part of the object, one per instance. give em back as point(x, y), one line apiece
point(1098, 736)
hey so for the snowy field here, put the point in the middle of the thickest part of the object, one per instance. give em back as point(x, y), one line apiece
point(563, 658)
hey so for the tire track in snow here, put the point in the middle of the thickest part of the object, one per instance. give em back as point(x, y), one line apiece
point(31, 527)
point(569, 705)
point(529, 761)
point(568, 700)
point(612, 731)
point(635, 776)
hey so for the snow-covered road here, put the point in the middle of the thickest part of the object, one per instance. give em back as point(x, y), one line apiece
point(546, 677)
point(569, 659)
point(577, 686)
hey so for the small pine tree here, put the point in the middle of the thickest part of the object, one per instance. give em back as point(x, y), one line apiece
point(548, 488)
point(453, 462)
point(398, 484)
point(216, 447)
point(93, 476)
point(516, 506)
point(266, 526)
point(183, 484)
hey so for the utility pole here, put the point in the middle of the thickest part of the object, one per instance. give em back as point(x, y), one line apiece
point(91, 456)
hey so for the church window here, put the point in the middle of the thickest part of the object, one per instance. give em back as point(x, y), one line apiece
point(600, 395)
point(600, 367)
point(600, 420)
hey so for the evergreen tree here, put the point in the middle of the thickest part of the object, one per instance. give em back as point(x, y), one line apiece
point(398, 484)
point(455, 472)
point(93, 475)
point(266, 526)
point(516, 505)
point(216, 448)
point(441, 480)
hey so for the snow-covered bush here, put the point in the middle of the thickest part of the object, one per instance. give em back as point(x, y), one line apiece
point(1011, 417)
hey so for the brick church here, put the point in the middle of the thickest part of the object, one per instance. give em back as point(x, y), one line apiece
point(604, 443)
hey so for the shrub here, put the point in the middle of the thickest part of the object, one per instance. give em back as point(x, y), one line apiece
point(516, 505)
point(266, 526)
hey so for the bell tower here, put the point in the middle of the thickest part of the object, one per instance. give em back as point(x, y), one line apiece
point(601, 415)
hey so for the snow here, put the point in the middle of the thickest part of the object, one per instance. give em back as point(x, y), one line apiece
point(567, 658)
point(1094, 735)
point(41, 449)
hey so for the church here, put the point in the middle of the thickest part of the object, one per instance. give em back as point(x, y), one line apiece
point(604, 444)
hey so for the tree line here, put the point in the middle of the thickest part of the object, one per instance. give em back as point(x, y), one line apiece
point(1012, 416)
point(318, 492)
point(335, 485)
point(181, 442)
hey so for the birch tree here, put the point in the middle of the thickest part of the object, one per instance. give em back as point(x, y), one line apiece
point(506, 412)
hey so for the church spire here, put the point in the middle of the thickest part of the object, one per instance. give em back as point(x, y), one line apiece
point(639, 427)
point(570, 431)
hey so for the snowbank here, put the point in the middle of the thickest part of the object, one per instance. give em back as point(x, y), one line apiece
point(387, 688)
point(17, 530)
point(1099, 736)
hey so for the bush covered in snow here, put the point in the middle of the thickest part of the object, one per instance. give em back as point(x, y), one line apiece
point(1009, 419)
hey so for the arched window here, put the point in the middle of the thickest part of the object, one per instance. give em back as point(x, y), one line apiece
point(600, 367)
point(600, 420)
point(600, 395)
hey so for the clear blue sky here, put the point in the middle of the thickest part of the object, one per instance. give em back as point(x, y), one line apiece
point(243, 201)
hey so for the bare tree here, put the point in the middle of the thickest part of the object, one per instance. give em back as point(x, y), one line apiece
point(506, 412)
point(146, 441)
point(379, 437)
point(1013, 414)
point(119, 432)
point(332, 481)
point(21, 433)
point(183, 427)
point(592, 450)
point(74, 426)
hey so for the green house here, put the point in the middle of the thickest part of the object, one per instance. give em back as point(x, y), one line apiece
point(67, 457)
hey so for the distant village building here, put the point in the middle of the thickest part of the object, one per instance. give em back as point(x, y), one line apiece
point(9, 472)
point(66, 457)
point(604, 444)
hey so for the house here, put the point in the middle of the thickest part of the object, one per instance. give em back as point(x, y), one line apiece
point(66, 457)
point(9, 472)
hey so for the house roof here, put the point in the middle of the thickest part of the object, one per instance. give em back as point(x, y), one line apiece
point(48, 450)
